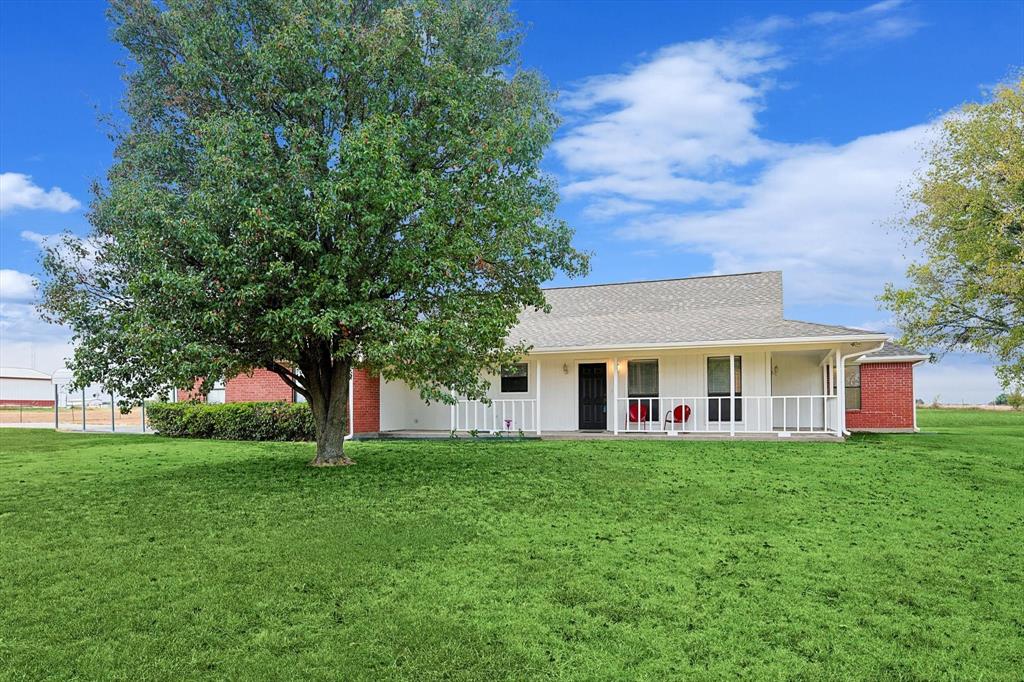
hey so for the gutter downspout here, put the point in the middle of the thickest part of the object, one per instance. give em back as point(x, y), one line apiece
point(351, 404)
point(919, 362)
point(844, 358)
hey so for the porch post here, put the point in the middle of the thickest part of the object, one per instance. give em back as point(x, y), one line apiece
point(536, 403)
point(615, 396)
point(824, 392)
point(732, 394)
point(840, 394)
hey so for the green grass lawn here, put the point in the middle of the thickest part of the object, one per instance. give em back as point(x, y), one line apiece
point(137, 557)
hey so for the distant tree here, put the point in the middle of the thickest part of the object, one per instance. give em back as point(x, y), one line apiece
point(309, 186)
point(1001, 399)
point(967, 215)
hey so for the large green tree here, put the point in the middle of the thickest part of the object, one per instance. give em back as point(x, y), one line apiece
point(967, 215)
point(309, 186)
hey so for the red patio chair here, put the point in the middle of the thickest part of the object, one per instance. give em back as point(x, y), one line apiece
point(677, 416)
point(637, 414)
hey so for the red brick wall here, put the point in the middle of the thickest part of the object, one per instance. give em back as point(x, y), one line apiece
point(262, 386)
point(265, 386)
point(886, 397)
point(194, 394)
point(366, 408)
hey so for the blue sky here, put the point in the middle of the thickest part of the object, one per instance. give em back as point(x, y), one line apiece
point(696, 138)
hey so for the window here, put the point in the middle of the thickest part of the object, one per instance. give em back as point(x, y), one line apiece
point(516, 380)
point(216, 394)
point(852, 374)
point(642, 382)
point(718, 387)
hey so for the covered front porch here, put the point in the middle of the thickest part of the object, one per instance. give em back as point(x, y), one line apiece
point(775, 391)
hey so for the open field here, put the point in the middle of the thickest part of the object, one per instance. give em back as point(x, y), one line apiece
point(97, 417)
point(900, 557)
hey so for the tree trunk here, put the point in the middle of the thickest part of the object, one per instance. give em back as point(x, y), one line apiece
point(329, 404)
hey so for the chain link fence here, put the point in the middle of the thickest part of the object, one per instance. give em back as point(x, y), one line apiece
point(75, 410)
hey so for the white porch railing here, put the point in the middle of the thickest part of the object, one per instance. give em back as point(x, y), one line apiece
point(753, 414)
point(501, 416)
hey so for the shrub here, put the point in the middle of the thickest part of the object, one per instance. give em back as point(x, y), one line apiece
point(233, 421)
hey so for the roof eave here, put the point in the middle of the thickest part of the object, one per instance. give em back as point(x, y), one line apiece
point(894, 358)
point(791, 341)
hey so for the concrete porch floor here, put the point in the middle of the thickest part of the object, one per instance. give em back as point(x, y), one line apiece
point(805, 436)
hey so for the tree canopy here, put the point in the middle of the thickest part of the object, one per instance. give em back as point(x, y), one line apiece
point(967, 215)
point(309, 186)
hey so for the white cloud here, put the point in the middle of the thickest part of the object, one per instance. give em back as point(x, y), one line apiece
point(39, 240)
point(16, 286)
point(46, 353)
point(18, 191)
point(658, 186)
point(833, 30)
point(613, 207)
point(666, 128)
point(820, 215)
point(26, 340)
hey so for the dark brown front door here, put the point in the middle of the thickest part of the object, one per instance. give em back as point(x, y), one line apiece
point(593, 396)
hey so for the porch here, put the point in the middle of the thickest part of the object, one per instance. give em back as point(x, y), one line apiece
point(411, 434)
point(732, 392)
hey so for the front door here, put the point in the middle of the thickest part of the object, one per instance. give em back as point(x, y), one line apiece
point(593, 396)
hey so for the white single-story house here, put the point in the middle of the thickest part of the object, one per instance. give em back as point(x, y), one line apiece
point(696, 355)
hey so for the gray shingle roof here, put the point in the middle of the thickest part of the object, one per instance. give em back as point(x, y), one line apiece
point(693, 310)
point(891, 350)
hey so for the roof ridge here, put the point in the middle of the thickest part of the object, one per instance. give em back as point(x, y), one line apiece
point(664, 279)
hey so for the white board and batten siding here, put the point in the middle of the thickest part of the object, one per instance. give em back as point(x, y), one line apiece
point(682, 373)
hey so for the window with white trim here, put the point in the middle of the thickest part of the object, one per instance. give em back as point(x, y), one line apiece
point(851, 375)
point(642, 382)
point(517, 379)
point(718, 387)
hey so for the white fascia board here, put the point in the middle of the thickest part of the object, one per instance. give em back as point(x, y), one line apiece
point(715, 344)
point(895, 358)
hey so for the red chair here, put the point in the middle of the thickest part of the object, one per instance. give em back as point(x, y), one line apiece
point(637, 415)
point(680, 415)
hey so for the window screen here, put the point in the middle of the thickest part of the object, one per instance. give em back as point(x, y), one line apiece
point(852, 374)
point(642, 378)
point(516, 380)
point(718, 376)
point(718, 387)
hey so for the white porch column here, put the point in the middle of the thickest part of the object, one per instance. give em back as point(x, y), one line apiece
point(536, 403)
point(615, 396)
point(840, 394)
point(732, 394)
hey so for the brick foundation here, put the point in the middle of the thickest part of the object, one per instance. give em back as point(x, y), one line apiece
point(886, 397)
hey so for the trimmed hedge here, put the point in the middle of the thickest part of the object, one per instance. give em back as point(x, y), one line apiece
point(233, 421)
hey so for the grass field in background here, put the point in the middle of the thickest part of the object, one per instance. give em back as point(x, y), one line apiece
point(896, 556)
